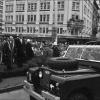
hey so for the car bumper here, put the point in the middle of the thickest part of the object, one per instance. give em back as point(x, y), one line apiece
point(29, 88)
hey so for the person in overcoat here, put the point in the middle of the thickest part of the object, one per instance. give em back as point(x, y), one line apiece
point(29, 51)
point(56, 51)
point(19, 51)
point(8, 54)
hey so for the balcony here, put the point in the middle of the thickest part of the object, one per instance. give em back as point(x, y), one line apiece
point(19, 22)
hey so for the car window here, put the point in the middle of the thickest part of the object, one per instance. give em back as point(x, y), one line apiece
point(83, 52)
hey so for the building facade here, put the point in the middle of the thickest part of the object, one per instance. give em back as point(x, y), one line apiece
point(98, 35)
point(38, 17)
point(1, 13)
point(95, 19)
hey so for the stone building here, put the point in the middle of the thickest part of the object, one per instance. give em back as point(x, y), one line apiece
point(1, 10)
point(39, 17)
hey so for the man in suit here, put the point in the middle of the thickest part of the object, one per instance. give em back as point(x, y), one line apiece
point(56, 51)
point(8, 53)
point(29, 51)
point(19, 50)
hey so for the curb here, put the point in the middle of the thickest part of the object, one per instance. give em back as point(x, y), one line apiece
point(11, 88)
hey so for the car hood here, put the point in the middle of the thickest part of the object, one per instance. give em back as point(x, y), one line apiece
point(62, 76)
point(63, 72)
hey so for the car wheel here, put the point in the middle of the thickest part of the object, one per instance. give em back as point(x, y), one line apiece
point(78, 96)
point(32, 98)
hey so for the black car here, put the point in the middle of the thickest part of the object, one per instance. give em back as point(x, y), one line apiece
point(74, 76)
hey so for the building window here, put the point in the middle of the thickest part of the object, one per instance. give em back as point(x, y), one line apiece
point(31, 18)
point(31, 30)
point(20, 7)
point(19, 29)
point(44, 18)
point(60, 30)
point(9, 18)
point(60, 18)
point(43, 30)
point(76, 5)
point(1, 3)
point(19, 18)
point(45, 6)
point(8, 29)
point(75, 17)
point(61, 5)
point(9, 8)
point(32, 6)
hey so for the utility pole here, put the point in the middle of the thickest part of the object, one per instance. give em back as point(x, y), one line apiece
point(55, 21)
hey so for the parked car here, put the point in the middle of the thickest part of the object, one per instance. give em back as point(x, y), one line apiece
point(57, 81)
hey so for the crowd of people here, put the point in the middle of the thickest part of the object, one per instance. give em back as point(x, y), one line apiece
point(18, 50)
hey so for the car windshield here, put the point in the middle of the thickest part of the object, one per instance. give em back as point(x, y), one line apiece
point(74, 51)
point(84, 52)
point(91, 53)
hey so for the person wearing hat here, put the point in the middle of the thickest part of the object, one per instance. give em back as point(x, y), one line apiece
point(29, 51)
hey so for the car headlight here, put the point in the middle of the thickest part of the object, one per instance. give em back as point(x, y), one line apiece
point(40, 74)
point(27, 73)
point(47, 72)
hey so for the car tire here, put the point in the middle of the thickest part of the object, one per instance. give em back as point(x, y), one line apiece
point(67, 64)
point(78, 96)
point(32, 98)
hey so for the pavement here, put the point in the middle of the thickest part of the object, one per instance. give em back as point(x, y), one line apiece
point(19, 94)
point(13, 83)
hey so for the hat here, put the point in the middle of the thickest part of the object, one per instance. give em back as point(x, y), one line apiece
point(11, 37)
point(28, 40)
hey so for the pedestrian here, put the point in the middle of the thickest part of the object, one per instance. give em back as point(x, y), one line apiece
point(29, 51)
point(56, 51)
point(7, 54)
point(20, 57)
point(48, 51)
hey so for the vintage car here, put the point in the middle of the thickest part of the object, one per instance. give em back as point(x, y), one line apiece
point(57, 81)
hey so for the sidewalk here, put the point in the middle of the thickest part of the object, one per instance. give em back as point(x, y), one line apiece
point(9, 84)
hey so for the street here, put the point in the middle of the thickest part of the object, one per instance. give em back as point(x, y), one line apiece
point(15, 95)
